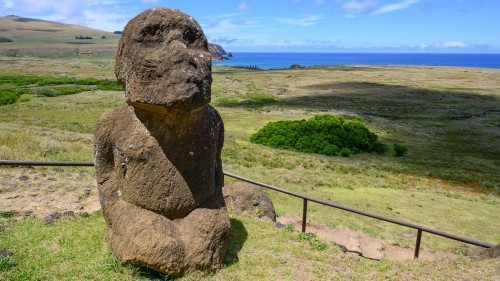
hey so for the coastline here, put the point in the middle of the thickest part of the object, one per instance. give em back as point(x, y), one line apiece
point(267, 60)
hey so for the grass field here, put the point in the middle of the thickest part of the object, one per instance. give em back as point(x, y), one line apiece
point(39, 38)
point(448, 118)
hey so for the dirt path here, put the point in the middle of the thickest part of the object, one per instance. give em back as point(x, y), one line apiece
point(27, 191)
point(359, 243)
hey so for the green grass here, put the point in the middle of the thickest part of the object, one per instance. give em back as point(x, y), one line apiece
point(448, 180)
point(74, 249)
point(47, 86)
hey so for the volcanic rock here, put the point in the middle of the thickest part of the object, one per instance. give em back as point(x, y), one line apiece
point(158, 164)
point(248, 199)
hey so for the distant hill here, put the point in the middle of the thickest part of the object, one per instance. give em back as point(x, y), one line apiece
point(16, 27)
point(217, 52)
point(35, 37)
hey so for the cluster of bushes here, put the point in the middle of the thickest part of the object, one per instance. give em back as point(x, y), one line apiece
point(5, 39)
point(83, 37)
point(54, 92)
point(8, 96)
point(324, 134)
point(38, 85)
point(21, 80)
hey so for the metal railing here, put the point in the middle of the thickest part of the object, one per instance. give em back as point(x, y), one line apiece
point(420, 229)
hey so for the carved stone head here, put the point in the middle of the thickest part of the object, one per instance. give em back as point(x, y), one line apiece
point(163, 60)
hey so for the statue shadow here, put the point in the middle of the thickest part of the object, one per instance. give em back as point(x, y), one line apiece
point(149, 274)
point(239, 236)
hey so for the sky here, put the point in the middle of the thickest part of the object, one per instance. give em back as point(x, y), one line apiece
point(424, 26)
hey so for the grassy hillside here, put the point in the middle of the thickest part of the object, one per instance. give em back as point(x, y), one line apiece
point(449, 180)
point(40, 38)
point(74, 249)
point(34, 37)
point(24, 28)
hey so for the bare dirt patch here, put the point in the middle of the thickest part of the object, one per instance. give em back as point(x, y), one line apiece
point(28, 191)
point(359, 243)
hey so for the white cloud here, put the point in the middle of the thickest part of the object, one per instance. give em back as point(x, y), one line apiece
point(100, 14)
point(242, 6)
point(354, 8)
point(394, 7)
point(8, 4)
point(67, 11)
point(446, 45)
point(452, 44)
point(306, 20)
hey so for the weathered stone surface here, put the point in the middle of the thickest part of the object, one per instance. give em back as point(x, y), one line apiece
point(5, 253)
point(163, 59)
point(248, 199)
point(489, 253)
point(158, 164)
point(52, 217)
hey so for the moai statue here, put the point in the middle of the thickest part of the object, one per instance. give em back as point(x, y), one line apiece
point(158, 163)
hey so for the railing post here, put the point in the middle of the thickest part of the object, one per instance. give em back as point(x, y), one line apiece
point(417, 246)
point(304, 215)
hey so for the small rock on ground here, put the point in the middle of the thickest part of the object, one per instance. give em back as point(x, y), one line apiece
point(5, 253)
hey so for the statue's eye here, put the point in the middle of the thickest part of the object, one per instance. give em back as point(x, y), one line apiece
point(189, 36)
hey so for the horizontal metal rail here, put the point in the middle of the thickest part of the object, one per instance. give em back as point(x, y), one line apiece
point(298, 195)
point(44, 163)
point(411, 225)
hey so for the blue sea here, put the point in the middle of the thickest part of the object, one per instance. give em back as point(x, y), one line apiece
point(285, 60)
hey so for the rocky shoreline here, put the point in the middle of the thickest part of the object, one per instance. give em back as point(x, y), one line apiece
point(217, 52)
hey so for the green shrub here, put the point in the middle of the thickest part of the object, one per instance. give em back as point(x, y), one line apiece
point(345, 152)
point(324, 134)
point(55, 92)
point(8, 96)
point(5, 40)
point(400, 150)
point(109, 85)
point(63, 86)
point(25, 80)
point(45, 92)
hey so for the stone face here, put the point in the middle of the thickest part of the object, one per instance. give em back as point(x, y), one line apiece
point(158, 164)
point(163, 59)
point(248, 199)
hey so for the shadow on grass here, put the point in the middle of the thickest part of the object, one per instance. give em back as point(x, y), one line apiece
point(380, 100)
point(395, 101)
point(239, 235)
point(150, 274)
point(450, 132)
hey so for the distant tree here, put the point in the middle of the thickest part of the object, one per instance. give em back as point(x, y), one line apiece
point(324, 134)
point(295, 66)
point(83, 37)
point(5, 39)
point(400, 150)
point(103, 37)
point(118, 32)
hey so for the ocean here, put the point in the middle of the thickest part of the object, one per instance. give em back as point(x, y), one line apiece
point(285, 60)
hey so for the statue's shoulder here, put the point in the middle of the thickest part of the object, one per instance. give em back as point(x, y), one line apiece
point(114, 121)
point(214, 115)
